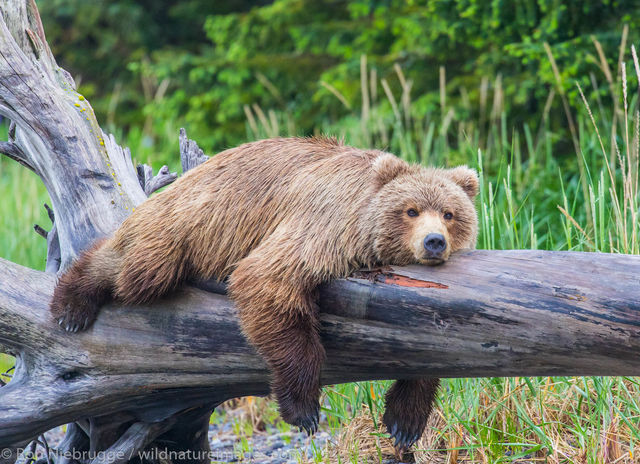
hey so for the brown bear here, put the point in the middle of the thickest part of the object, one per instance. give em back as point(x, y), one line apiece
point(277, 218)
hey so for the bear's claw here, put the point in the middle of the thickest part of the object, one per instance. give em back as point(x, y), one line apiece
point(307, 421)
point(408, 406)
point(309, 425)
point(310, 422)
point(403, 431)
point(74, 324)
point(403, 439)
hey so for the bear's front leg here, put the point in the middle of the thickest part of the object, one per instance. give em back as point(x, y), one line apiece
point(279, 317)
point(295, 355)
point(408, 406)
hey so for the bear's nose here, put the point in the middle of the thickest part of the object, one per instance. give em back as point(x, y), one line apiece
point(435, 243)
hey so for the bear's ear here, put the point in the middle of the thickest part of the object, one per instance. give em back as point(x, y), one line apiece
point(387, 167)
point(466, 178)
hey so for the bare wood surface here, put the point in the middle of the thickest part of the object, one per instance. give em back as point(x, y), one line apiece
point(191, 154)
point(151, 183)
point(58, 137)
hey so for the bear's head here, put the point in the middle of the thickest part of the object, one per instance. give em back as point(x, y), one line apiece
point(422, 214)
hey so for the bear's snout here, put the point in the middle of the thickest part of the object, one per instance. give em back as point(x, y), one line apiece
point(435, 245)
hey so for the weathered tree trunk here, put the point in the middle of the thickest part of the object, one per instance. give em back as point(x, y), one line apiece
point(148, 378)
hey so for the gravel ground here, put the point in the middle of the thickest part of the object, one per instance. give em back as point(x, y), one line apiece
point(268, 447)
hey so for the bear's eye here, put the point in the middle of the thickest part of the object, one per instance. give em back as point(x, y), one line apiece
point(448, 216)
point(412, 212)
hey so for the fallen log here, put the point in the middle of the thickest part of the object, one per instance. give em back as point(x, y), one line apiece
point(149, 377)
point(498, 313)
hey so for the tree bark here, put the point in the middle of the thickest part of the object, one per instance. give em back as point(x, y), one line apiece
point(143, 377)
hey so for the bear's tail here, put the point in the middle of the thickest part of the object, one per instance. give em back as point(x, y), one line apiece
point(84, 288)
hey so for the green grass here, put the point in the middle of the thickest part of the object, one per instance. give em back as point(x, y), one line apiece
point(22, 206)
point(533, 195)
point(23, 196)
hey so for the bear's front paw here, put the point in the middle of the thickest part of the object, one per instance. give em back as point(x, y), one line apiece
point(304, 414)
point(403, 427)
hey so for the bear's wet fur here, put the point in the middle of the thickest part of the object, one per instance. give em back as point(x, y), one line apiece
point(278, 217)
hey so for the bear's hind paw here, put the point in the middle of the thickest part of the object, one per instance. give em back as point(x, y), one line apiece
point(402, 430)
point(73, 316)
point(71, 324)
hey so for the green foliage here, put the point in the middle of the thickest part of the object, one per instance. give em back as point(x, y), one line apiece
point(22, 206)
point(278, 55)
point(96, 40)
point(213, 61)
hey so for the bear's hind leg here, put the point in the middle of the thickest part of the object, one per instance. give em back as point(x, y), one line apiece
point(408, 406)
point(84, 288)
point(279, 317)
point(150, 271)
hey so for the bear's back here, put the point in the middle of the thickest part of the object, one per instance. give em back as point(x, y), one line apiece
point(218, 212)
